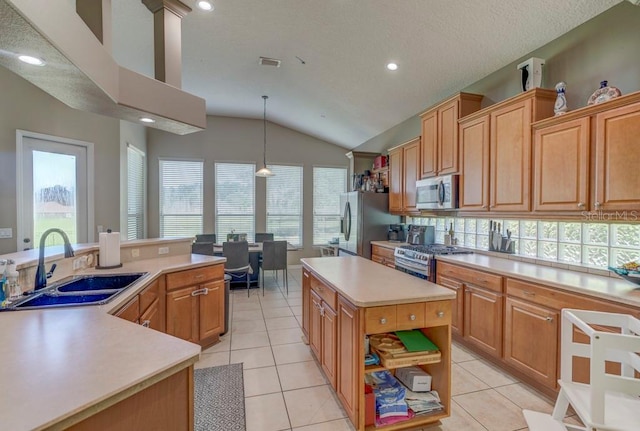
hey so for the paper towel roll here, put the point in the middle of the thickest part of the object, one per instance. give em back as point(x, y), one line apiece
point(109, 249)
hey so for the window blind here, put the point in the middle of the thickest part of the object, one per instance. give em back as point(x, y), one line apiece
point(284, 203)
point(328, 184)
point(135, 193)
point(180, 198)
point(235, 199)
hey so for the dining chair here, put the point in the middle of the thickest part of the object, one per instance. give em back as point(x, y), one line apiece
point(262, 237)
point(206, 237)
point(274, 258)
point(237, 264)
point(202, 248)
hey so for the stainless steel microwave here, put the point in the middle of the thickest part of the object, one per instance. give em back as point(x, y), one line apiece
point(437, 193)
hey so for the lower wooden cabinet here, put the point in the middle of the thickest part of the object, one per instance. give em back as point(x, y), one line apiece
point(483, 319)
point(182, 313)
point(531, 340)
point(383, 256)
point(315, 324)
point(348, 358)
point(457, 306)
point(306, 293)
point(146, 308)
point(329, 344)
point(211, 310)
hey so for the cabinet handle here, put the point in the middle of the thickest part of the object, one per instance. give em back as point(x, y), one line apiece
point(484, 206)
point(492, 206)
point(321, 311)
point(305, 274)
point(597, 205)
point(529, 293)
point(481, 280)
point(440, 314)
point(549, 319)
point(412, 317)
point(383, 321)
point(580, 204)
point(146, 323)
point(199, 276)
point(203, 291)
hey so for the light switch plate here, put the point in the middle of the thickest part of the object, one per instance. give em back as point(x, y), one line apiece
point(6, 232)
point(163, 250)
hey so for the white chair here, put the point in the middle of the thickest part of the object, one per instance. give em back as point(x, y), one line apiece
point(609, 402)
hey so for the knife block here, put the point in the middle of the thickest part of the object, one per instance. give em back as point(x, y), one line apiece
point(505, 245)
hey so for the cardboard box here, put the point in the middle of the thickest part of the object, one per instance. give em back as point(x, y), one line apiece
point(414, 378)
point(380, 162)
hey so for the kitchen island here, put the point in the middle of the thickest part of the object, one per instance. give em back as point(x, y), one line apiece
point(345, 299)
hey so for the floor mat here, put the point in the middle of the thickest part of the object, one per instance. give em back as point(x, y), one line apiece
point(219, 398)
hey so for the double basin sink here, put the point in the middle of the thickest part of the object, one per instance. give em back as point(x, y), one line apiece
point(79, 290)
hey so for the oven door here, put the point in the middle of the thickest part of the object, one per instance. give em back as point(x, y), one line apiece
point(438, 193)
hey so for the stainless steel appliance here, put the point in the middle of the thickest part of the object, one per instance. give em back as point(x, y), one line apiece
point(397, 232)
point(437, 193)
point(419, 260)
point(365, 218)
point(421, 235)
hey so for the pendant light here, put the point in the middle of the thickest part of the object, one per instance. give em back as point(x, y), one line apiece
point(264, 172)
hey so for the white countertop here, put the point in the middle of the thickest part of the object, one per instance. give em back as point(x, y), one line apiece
point(56, 363)
point(609, 288)
point(365, 283)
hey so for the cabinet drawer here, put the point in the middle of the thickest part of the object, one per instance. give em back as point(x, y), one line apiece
point(437, 313)
point(191, 277)
point(382, 252)
point(380, 319)
point(410, 316)
point(471, 276)
point(327, 294)
point(148, 295)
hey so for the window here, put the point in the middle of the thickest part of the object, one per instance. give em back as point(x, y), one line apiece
point(235, 199)
point(135, 193)
point(180, 198)
point(284, 203)
point(328, 183)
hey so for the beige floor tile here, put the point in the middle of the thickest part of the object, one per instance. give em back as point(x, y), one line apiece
point(249, 305)
point(459, 420)
point(276, 312)
point(290, 353)
point(212, 360)
point(489, 374)
point(266, 413)
point(246, 315)
point(295, 301)
point(274, 303)
point(339, 425)
point(248, 341)
point(285, 336)
point(526, 398)
point(492, 410)
point(261, 381)
point(240, 296)
point(300, 375)
point(312, 405)
point(253, 358)
point(282, 323)
point(461, 354)
point(296, 310)
point(248, 326)
point(294, 293)
point(223, 345)
point(463, 382)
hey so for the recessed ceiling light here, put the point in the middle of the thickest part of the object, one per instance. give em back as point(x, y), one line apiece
point(147, 120)
point(205, 5)
point(392, 66)
point(34, 61)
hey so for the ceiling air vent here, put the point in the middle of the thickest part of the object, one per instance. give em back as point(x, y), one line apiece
point(266, 61)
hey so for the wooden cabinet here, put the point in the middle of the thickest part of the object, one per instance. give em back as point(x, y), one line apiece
point(617, 159)
point(383, 256)
point(323, 327)
point(561, 166)
point(315, 325)
point(395, 180)
point(130, 311)
point(306, 302)
point(404, 171)
point(457, 306)
point(483, 319)
point(348, 357)
point(439, 140)
point(195, 304)
point(474, 165)
point(329, 344)
point(147, 308)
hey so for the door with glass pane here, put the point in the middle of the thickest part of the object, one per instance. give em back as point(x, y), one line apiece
point(52, 189)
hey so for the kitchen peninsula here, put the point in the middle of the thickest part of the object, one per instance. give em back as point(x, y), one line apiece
point(346, 298)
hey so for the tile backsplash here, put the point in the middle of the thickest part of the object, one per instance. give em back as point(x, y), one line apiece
point(594, 245)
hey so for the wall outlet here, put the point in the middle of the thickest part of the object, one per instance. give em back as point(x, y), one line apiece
point(100, 228)
point(6, 232)
point(163, 250)
point(135, 252)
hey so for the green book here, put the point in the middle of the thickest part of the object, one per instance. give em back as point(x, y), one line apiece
point(416, 341)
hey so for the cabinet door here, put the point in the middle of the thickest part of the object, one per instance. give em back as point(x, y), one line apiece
point(395, 180)
point(510, 164)
point(211, 308)
point(130, 311)
point(411, 170)
point(483, 319)
point(429, 144)
point(315, 325)
point(448, 138)
point(306, 302)
point(617, 159)
point(457, 306)
point(152, 317)
point(561, 167)
point(350, 357)
point(474, 165)
point(531, 340)
point(182, 313)
point(328, 351)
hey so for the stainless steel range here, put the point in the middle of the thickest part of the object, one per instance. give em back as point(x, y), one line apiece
point(419, 260)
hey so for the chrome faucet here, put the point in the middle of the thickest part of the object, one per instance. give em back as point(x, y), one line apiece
point(41, 274)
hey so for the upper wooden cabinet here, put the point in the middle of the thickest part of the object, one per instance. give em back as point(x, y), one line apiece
point(404, 171)
point(439, 143)
point(501, 133)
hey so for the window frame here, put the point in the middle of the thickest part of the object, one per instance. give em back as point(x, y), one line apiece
point(143, 215)
point(313, 205)
point(300, 214)
point(221, 236)
point(160, 213)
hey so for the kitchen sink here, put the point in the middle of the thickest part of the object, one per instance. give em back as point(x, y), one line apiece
point(79, 290)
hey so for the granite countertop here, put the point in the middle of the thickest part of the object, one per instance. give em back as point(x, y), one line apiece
point(365, 283)
point(57, 363)
point(608, 288)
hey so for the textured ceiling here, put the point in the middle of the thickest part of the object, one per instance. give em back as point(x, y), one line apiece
point(344, 94)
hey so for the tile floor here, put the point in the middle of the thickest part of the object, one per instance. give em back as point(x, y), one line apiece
point(285, 389)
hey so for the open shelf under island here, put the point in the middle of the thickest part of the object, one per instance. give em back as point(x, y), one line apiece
point(346, 298)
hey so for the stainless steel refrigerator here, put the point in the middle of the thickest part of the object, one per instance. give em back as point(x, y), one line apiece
point(365, 218)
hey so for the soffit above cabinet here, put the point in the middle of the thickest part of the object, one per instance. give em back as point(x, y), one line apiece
point(82, 74)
